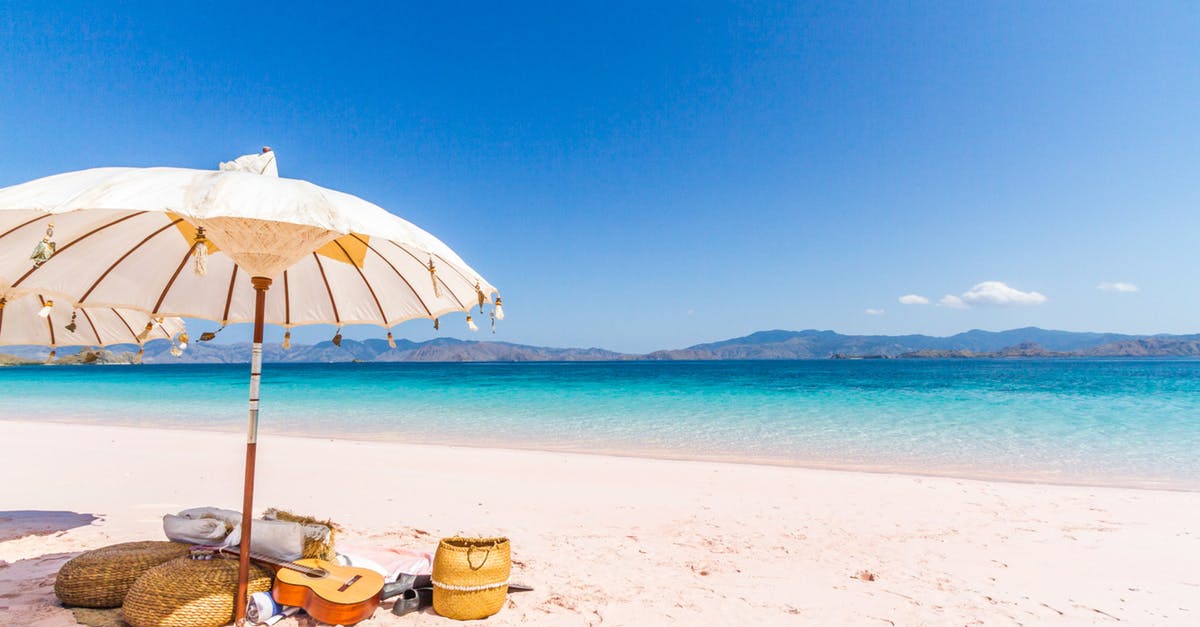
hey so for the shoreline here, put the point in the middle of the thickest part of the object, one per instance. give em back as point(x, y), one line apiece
point(665, 455)
point(629, 541)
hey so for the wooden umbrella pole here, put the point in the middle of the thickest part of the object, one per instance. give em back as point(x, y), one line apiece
point(260, 302)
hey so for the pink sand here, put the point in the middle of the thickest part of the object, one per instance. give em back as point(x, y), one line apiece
point(627, 541)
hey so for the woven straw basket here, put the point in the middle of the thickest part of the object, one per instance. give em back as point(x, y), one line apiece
point(470, 577)
point(186, 592)
point(101, 578)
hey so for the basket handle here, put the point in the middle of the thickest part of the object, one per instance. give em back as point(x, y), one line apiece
point(486, 555)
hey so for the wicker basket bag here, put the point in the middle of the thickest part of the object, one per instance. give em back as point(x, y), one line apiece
point(101, 578)
point(470, 577)
point(188, 592)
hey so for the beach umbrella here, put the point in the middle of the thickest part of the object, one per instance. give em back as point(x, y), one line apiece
point(35, 320)
point(234, 245)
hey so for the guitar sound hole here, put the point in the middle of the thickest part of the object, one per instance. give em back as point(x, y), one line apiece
point(316, 574)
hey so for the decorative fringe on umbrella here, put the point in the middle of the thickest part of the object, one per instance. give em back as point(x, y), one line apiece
point(498, 310)
point(141, 337)
point(391, 341)
point(471, 324)
point(183, 341)
point(493, 316)
point(337, 338)
point(50, 358)
point(137, 359)
point(437, 291)
point(436, 325)
point(287, 340)
point(200, 250)
point(209, 335)
point(45, 248)
point(46, 307)
point(71, 326)
point(480, 296)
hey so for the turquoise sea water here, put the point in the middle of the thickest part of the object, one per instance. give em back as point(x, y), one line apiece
point(1121, 422)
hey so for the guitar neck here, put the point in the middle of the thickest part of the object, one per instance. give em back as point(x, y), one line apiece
point(267, 559)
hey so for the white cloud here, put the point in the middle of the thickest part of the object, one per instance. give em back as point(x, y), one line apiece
point(997, 293)
point(873, 312)
point(913, 299)
point(1117, 287)
point(952, 301)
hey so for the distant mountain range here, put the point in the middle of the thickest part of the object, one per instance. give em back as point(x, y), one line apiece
point(811, 344)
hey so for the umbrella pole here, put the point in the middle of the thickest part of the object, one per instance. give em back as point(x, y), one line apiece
point(260, 301)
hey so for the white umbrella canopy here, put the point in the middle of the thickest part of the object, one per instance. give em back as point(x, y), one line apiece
point(261, 249)
point(21, 323)
point(334, 258)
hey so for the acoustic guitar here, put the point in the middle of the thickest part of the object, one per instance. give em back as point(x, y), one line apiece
point(330, 593)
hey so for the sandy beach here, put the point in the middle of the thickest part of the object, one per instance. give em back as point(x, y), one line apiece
point(626, 541)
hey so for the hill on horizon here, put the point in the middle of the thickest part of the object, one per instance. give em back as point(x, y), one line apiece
point(773, 344)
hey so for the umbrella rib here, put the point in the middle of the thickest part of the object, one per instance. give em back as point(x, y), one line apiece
point(382, 315)
point(132, 333)
point(21, 226)
point(287, 301)
point(336, 317)
point(95, 331)
point(229, 296)
point(49, 322)
point(125, 256)
point(163, 295)
point(418, 259)
point(79, 239)
point(398, 274)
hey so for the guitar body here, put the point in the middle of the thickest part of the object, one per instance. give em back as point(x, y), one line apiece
point(334, 594)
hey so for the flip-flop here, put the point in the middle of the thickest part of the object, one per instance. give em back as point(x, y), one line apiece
point(412, 600)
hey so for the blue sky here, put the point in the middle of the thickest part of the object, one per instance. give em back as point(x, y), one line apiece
point(640, 177)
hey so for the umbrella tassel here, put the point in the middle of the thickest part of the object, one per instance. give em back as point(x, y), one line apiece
point(498, 310)
point(337, 338)
point(200, 250)
point(141, 337)
point(183, 341)
point(287, 340)
point(471, 324)
point(391, 340)
point(45, 248)
point(479, 295)
point(71, 326)
point(436, 325)
point(137, 359)
point(50, 358)
point(437, 291)
point(209, 335)
point(45, 310)
point(493, 322)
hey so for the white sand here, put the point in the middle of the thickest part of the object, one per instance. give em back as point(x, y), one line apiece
point(624, 541)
